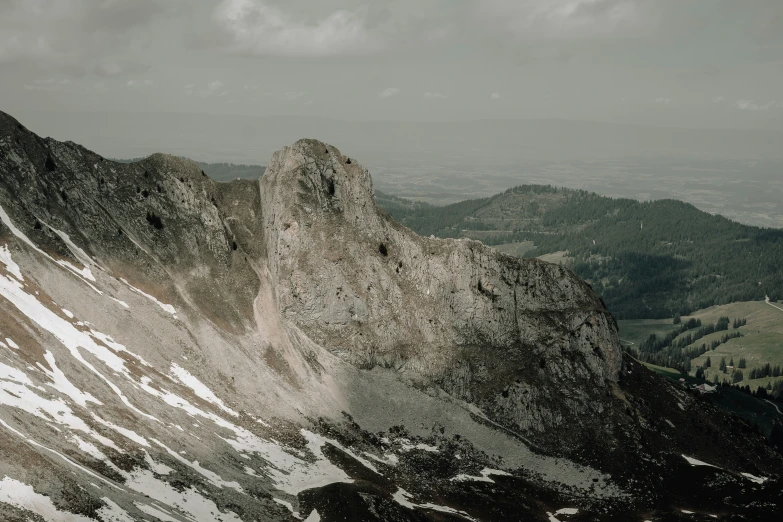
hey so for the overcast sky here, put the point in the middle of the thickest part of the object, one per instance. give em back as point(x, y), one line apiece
point(708, 63)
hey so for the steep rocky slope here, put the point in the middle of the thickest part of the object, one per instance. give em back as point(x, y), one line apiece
point(172, 348)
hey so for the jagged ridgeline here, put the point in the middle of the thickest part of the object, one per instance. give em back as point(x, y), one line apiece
point(220, 171)
point(646, 259)
point(174, 348)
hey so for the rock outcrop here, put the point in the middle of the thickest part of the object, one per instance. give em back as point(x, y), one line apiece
point(172, 348)
point(504, 333)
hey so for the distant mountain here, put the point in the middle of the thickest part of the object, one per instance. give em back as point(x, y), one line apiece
point(646, 259)
point(220, 171)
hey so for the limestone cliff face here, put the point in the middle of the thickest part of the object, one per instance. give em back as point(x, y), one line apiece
point(507, 334)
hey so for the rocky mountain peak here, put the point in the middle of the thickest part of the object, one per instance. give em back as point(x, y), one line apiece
point(502, 332)
point(172, 348)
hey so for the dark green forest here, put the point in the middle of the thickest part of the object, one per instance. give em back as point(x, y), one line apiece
point(649, 259)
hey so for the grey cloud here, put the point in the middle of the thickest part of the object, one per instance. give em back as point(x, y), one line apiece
point(49, 85)
point(139, 83)
point(391, 91)
point(212, 89)
point(257, 27)
point(111, 69)
point(750, 105)
point(72, 35)
point(564, 19)
point(300, 28)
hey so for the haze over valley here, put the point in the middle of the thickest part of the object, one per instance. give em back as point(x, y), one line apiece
point(410, 261)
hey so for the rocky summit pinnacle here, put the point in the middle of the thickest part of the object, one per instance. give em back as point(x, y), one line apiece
point(501, 332)
point(173, 348)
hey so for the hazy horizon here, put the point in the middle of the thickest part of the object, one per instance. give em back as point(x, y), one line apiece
point(666, 62)
point(446, 99)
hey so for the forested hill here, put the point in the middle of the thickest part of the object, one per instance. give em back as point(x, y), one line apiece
point(221, 171)
point(646, 259)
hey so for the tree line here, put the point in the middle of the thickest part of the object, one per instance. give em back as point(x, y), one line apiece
point(650, 259)
point(675, 349)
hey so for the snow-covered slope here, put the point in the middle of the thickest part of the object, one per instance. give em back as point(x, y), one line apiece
point(176, 349)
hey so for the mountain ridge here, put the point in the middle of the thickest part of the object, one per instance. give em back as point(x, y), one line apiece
point(174, 348)
point(647, 259)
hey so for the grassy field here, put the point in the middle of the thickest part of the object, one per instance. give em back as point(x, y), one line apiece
point(557, 258)
point(670, 373)
point(762, 340)
point(756, 411)
point(634, 331)
point(519, 248)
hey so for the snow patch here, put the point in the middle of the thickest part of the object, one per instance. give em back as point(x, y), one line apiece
point(10, 265)
point(212, 477)
point(485, 476)
point(128, 434)
point(289, 473)
point(61, 383)
point(402, 498)
point(16, 391)
point(65, 332)
point(149, 510)
point(407, 446)
point(199, 388)
point(288, 506)
point(166, 307)
point(111, 512)
point(189, 502)
point(695, 462)
point(20, 495)
point(753, 478)
point(18, 233)
point(78, 253)
point(123, 303)
point(66, 459)
point(388, 459)
point(313, 517)
point(89, 448)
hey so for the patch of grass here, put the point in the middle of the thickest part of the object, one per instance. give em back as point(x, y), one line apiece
point(558, 258)
point(669, 373)
point(634, 331)
point(519, 248)
point(761, 341)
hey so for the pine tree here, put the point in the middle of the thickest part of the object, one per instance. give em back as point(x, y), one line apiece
point(742, 362)
point(722, 365)
point(708, 362)
point(731, 361)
